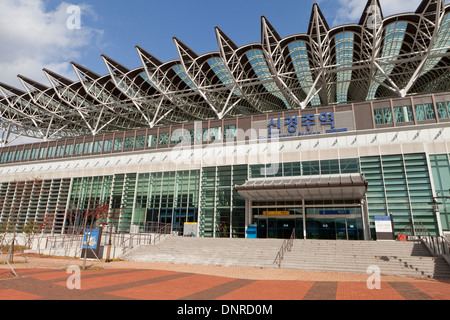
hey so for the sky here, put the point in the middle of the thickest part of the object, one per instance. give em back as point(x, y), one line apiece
point(37, 34)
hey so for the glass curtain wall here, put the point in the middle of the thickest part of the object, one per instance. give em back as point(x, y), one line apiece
point(138, 199)
point(344, 58)
point(38, 202)
point(399, 184)
point(440, 167)
point(167, 197)
point(87, 194)
point(222, 208)
point(304, 168)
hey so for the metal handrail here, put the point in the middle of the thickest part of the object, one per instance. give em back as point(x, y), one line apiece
point(438, 245)
point(285, 246)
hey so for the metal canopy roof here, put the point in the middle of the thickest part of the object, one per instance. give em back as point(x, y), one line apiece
point(318, 187)
point(376, 58)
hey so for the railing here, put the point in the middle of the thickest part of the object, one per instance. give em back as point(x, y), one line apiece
point(286, 246)
point(438, 245)
point(131, 240)
point(145, 234)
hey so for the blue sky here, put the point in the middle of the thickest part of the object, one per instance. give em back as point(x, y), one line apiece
point(37, 36)
point(152, 24)
point(34, 33)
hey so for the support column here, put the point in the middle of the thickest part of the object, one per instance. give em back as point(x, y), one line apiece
point(365, 218)
point(304, 218)
point(248, 213)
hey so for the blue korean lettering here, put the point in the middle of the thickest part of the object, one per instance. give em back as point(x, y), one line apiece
point(327, 118)
point(277, 125)
point(308, 120)
point(291, 123)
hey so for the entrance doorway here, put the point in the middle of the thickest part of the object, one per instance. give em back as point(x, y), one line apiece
point(339, 228)
point(332, 228)
point(279, 228)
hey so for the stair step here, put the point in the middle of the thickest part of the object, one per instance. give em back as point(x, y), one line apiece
point(396, 258)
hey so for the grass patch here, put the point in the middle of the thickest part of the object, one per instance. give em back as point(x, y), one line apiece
point(17, 248)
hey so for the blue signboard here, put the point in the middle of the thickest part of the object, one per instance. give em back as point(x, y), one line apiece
point(334, 212)
point(90, 239)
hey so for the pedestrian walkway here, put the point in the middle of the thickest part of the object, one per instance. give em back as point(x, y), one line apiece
point(41, 279)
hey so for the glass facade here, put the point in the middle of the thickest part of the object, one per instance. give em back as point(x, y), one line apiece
point(344, 59)
point(305, 168)
point(440, 166)
point(222, 208)
point(440, 45)
point(410, 113)
point(41, 201)
point(392, 44)
point(324, 219)
point(259, 66)
point(400, 185)
point(382, 116)
point(300, 60)
point(397, 184)
point(221, 71)
point(139, 199)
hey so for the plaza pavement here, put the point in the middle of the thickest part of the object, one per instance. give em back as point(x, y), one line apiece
point(42, 279)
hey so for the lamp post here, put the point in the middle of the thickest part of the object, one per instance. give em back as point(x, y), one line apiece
point(435, 203)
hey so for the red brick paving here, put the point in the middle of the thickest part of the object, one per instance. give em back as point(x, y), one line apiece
point(271, 290)
point(42, 280)
point(172, 289)
point(12, 294)
point(170, 285)
point(118, 279)
point(438, 291)
point(359, 291)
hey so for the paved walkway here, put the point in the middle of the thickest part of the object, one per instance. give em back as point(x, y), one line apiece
point(41, 278)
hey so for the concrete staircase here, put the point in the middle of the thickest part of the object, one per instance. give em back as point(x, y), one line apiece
point(210, 251)
point(393, 258)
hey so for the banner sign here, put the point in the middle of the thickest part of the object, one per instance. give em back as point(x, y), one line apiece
point(383, 224)
point(334, 212)
point(383, 228)
point(91, 243)
point(190, 229)
point(91, 239)
point(276, 213)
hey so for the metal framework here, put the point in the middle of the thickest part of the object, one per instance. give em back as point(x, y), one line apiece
point(377, 57)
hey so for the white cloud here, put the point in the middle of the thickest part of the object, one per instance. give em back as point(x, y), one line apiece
point(33, 37)
point(350, 11)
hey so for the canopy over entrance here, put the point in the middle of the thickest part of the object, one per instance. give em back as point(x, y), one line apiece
point(318, 187)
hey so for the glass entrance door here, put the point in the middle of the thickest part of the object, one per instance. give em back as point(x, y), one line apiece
point(262, 230)
point(326, 229)
point(285, 227)
point(340, 228)
point(279, 228)
point(354, 229)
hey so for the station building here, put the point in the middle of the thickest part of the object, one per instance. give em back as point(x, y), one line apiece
point(323, 132)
